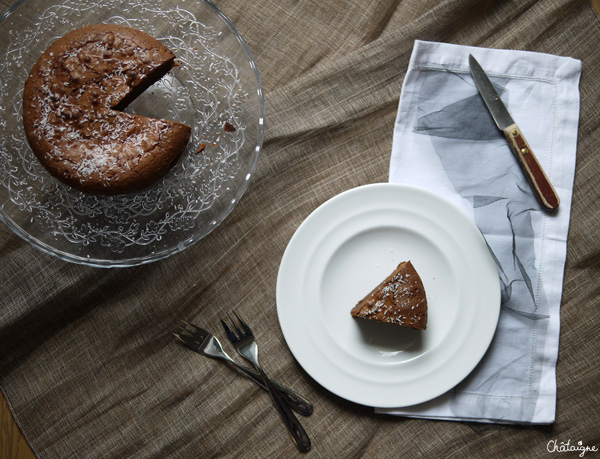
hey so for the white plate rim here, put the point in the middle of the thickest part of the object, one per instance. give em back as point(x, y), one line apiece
point(313, 353)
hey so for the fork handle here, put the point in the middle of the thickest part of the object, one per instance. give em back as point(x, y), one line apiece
point(298, 433)
point(294, 400)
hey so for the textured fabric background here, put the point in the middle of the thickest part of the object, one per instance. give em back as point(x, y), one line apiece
point(87, 359)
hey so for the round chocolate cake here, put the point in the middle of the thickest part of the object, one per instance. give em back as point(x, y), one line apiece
point(71, 110)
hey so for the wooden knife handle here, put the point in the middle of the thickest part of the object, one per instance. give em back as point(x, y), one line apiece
point(542, 187)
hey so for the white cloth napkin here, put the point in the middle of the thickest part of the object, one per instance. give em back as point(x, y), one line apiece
point(446, 141)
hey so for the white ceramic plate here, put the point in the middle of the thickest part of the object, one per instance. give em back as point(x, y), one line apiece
point(350, 244)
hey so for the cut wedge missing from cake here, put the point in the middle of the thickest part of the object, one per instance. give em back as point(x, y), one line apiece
point(400, 299)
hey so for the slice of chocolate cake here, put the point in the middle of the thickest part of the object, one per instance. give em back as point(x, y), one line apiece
point(399, 299)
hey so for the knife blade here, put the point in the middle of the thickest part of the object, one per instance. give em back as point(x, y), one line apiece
point(543, 189)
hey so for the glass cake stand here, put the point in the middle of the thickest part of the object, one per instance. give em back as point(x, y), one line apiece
point(215, 82)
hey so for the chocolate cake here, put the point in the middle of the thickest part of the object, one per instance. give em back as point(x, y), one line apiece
point(399, 299)
point(71, 110)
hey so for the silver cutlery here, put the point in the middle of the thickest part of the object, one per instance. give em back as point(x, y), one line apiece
point(245, 344)
point(205, 343)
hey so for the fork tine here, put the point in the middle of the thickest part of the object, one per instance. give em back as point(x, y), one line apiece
point(238, 332)
point(191, 335)
point(192, 326)
point(178, 336)
point(230, 334)
point(187, 340)
point(194, 330)
point(183, 330)
point(247, 330)
point(184, 327)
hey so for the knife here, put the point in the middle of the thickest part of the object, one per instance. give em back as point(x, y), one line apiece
point(542, 187)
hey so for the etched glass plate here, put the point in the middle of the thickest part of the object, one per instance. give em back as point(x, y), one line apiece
point(214, 82)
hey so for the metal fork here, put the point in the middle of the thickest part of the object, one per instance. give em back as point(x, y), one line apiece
point(245, 344)
point(204, 342)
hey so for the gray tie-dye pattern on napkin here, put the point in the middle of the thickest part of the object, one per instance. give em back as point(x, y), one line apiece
point(482, 169)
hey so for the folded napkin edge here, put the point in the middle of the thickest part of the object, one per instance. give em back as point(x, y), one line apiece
point(525, 63)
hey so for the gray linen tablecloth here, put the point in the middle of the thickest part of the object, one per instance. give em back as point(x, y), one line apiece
point(87, 360)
